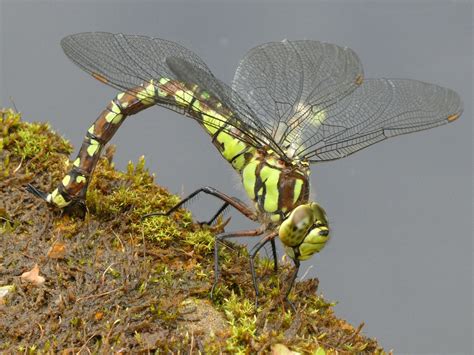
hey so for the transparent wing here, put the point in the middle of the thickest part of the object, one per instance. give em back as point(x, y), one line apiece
point(241, 115)
point(128, 61)
point(377, 110)
point(287, 83)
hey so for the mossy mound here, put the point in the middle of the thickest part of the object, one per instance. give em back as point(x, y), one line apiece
point(110, 282)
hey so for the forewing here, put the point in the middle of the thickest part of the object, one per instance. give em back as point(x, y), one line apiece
point(125, 61)
point(128, 61)
point(286, 83)
point(377, 110)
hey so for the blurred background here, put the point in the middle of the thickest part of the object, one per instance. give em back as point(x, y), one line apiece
point(400, 258)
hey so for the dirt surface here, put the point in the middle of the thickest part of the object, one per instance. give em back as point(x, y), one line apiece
point(110, 282)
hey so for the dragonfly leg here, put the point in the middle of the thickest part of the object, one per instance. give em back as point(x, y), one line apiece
point(274, 252)
point(216, 215)
point(268, 238)
point(292, 281)
point(230, 201)
point(219, 239)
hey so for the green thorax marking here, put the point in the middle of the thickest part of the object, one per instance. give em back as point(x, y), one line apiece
point(270, 177)
point(275, 187)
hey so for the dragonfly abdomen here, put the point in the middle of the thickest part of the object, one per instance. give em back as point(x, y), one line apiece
point(208, 111)
point(74, 184)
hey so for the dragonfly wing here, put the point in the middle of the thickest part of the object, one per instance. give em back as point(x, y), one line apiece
point(128, 61)
point(125, 61)
point(377, 110)
point(287, 83)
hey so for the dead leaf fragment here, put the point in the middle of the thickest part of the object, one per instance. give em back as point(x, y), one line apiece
point(57, 251)
point(33, 276)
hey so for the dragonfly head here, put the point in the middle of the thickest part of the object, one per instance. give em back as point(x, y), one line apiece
point(305, 231)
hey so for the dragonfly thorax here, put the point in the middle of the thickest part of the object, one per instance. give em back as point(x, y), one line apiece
point(276, 187)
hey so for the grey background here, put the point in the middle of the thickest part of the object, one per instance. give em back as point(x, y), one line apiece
point(400, 257)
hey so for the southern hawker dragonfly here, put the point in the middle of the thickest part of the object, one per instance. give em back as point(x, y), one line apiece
point(291, 104)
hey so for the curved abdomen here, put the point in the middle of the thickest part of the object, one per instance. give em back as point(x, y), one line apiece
point(194, 102)
point(74, 184)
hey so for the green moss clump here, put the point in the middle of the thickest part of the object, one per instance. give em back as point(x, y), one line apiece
point(117, 282)
point(33, 144)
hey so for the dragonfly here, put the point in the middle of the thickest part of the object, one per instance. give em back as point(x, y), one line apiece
point(291, 104)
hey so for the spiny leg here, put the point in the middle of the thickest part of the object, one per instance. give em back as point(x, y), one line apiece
point(216, 215)
point(292, 281)
point(175, 207)
point(230, 201)
point(274, 252)
point(268, 238)
point(219, 239)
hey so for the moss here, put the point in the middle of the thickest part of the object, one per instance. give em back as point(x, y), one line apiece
point(121, 282)
point(32, 144)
